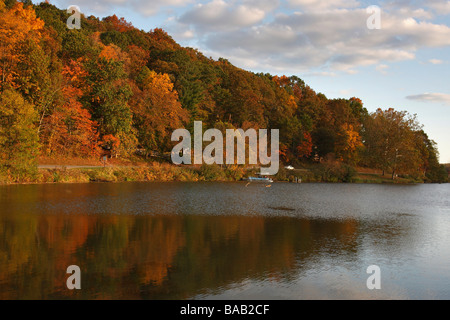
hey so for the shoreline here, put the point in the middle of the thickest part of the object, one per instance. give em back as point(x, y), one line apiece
point(170, 173)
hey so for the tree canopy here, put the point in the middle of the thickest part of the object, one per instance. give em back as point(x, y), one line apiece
point(112, 85)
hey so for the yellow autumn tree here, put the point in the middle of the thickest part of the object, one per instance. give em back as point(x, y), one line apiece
point(352, 141)
point(157, 111)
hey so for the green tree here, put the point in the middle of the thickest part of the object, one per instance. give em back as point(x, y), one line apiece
point(108, 96)
point(118, 38)
point(389, 136)
point(433, 171)
point(18, 137)
point(324, 140)
point(76, 44)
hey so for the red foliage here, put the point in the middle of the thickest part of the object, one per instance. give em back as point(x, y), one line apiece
point(69, 130)
point(120, 25)
point(304, 149)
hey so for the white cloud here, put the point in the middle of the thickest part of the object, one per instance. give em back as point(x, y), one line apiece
point(222, 15)
point(321, 74)
point(188, 34)
point(441, 7)
point(425, 9)
point(382, 68)
point(320, 5)
point(442, 98)
point(337, 39)
point(435, 61)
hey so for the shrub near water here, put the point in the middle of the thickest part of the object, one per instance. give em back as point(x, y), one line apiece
point(235, 173)
point(334, 171)
point(211, 172)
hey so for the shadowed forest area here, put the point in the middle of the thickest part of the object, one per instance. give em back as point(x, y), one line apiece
point(109, 89)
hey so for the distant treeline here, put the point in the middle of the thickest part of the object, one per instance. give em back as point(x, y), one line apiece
point(71, 93)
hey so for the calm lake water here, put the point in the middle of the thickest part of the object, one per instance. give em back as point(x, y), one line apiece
point(224, 241)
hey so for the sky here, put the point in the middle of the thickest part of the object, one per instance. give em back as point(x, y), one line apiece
point(403, 63)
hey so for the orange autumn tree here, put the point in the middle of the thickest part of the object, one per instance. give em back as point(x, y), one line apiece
point(282, 81)
point(157, 111)
point(18, 25)
point(113, 52)
point(70, 131)
point(136, 62)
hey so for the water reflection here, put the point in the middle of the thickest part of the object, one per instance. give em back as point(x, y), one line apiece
point(181, 241)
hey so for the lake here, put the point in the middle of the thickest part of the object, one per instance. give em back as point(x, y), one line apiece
point(224, 240)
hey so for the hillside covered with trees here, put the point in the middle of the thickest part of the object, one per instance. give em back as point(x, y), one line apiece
point(73, 93)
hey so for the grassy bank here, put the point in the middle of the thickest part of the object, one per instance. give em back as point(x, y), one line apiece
point(164, 172)
point(149, 172)
point(341, 173)
point(137, 169)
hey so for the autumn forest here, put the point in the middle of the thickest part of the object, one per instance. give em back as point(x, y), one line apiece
point(74, 93)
